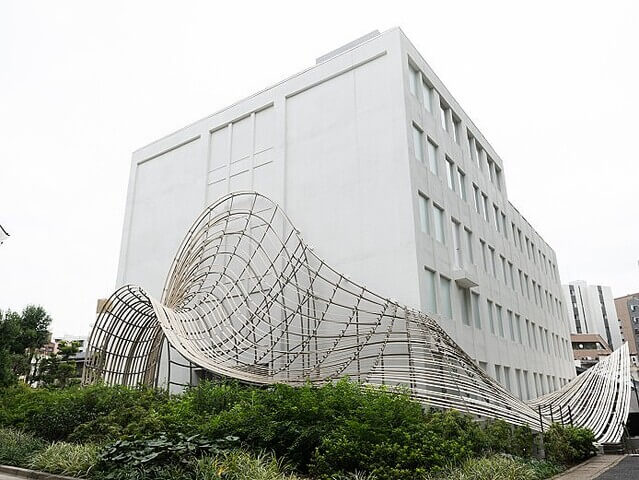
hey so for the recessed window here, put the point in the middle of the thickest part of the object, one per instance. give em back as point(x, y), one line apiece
point(456, 129)
point(500, 320)
point(469, 245)
point(438, 221)
point(423, 214)
point(418, 143)
point(443, 116)
point(447, 309)
point(432, 157)
point(431, 293)
point(491, 319)
point(413, 79)
point(461, 180)
point(464, 295)
point(476, 312)
point(457, 251)
point(427, 96)
point(450, 173)
point(477, 197)
point(485, 202)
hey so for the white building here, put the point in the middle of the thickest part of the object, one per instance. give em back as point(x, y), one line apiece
point(384, 173)
point(591, 309)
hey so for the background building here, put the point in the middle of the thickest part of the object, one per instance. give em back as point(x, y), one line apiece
point(588, 349)
point(384, 173)
point(591, 309)
point(627, 308)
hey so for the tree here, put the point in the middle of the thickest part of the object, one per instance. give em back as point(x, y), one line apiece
point(21, 335)
point(59, 368)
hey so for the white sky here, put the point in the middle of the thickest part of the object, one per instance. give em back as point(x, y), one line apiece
point(552, 85)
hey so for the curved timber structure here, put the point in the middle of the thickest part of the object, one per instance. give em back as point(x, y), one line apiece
point(247, 298)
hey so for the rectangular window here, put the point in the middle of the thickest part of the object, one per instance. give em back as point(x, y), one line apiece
point(498, 373)
point(511, 270)
point(514, 230)
point(427, 96)
point(447, 309)
point(503, 269)
point(518, 325)
point(443, 116)
point(456, 129)
point(491, 319)
point(493, 265)
point(469, 246)
point(432, 157)
point(480, 156)
point(485, 202)
point(431, 293)
point(498, 178)
point(483, 254)
point(507, 378)
point(464, 295)
point(491, 169)
point(503, 224)
point(438, 221)
point(450, 173)
point(529, 334)
point(496, 212)
point(418, 143)
point(511, 325)
point(423, 214)
point(476, 313)
point(476, 196)
point(461, 178)
point(413, 76)
point(500, 320)
point(520, 392)
point(457, 252)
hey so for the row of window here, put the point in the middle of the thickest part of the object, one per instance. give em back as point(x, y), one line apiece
point(522, 387)
point(426, 151)
point(450, 122)
point(439, 300)
point(432, 222)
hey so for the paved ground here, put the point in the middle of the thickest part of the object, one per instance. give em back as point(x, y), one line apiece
point(593, 468)
point(627, 469)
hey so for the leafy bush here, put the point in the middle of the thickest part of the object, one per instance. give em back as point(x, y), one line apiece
point(498, 467)
point(568, 445)
point(17, 448)
point(162, 450)
point(66, 459)
point(92, 414)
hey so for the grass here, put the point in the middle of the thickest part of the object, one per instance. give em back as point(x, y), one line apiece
point(17, 448)
point(66, 459)
point(499, 467)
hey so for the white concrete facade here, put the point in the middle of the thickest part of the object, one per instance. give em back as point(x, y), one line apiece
point(591, 309)
point(343, 147)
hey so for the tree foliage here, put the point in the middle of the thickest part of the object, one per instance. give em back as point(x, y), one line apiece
point(21, 335)
point(58, 369)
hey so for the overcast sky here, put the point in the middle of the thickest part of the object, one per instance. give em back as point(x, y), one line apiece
point(553, 87)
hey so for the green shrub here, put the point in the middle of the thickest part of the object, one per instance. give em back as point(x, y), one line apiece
point(568, 445)
point(17, 448)
point(498, 467)
point(66, 459)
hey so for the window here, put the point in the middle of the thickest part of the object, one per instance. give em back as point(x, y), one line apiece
point(498, 373)
point(413, 79)
point(456, 129)
point(503, 269)
point(443, 116)
point(511, 325)
point(476, 196)
point(520, 392)
point(503, 224)
point(491, 319)
point(483, 254)
point(473, 148)
point(427, 96)
point(464, 295)
point(476, 313)
point(514, 230)
point(492, 261)
point(507, 378)
point(450, 173)
point(518, 325)
point(528, 334)
point(461, 177)
point(485, 202)
point(498, 178)
point(500, 320)
point(438, 220)
point(457, 252)
point(469, 245)
point(511, 269)
point(521, 281)
point(432, 157)
point(423, 214)
point(480, 156)
point(496, 212)
point(431, 294)
point(491, 169)
point(417, 143)
point(444, 290)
